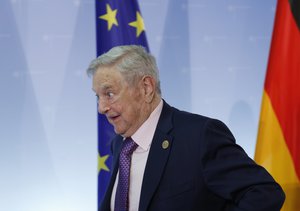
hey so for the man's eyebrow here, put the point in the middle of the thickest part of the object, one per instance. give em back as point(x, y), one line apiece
point(102, 87)
point(105, 86)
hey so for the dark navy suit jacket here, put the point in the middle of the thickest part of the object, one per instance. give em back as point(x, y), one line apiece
point(202, 169)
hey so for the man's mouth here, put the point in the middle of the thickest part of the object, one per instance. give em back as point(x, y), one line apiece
point(113, 117)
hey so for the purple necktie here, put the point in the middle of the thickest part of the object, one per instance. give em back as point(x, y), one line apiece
point(121, 200)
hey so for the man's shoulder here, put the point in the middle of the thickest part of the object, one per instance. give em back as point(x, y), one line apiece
point(188, 116)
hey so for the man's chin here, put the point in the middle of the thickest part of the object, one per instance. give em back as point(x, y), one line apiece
point(119, 132)
point(125, 134)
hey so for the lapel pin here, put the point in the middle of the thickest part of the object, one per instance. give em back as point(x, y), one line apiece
point(165, 144)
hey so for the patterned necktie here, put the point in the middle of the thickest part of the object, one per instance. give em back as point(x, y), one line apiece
point(122, 200)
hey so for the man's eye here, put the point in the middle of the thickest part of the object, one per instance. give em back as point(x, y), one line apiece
point(110, 94)
point(97, 96)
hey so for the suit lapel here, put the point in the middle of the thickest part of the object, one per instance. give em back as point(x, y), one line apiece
point(157, 158)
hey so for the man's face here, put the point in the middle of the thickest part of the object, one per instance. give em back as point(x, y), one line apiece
point(122, 104)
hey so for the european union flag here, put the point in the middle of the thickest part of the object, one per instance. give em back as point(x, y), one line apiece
point(118, 22)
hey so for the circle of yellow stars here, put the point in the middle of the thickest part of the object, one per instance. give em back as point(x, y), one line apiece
point(111, 18)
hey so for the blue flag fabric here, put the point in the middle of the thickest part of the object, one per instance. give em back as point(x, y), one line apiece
point(118, 22)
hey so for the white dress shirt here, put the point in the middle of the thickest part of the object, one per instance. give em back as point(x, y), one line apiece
point(143, 137)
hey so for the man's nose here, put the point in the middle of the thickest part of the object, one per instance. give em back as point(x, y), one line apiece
point(103, 106)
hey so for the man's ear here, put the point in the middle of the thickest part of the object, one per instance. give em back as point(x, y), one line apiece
point(148, 84)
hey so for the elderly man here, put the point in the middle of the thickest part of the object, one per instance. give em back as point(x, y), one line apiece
point(165, 159)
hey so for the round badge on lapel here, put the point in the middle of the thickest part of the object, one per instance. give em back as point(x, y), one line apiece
point(165, 144)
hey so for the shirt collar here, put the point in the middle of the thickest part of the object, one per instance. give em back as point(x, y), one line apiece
point(144, 135)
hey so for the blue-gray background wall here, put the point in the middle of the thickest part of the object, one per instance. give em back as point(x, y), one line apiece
point(212, 57)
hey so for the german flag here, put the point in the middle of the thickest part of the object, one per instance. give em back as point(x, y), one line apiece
point(278, 143)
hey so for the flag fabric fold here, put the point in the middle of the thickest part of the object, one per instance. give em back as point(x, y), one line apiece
point(278, 142)
point(117, 23)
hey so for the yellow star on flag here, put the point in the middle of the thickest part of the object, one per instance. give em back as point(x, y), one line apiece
point(101, 163)
point(110, 17)
point(138, 24)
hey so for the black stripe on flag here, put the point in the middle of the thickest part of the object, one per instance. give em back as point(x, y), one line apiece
point(295, 7)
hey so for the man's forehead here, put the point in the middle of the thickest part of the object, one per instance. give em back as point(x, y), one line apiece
point(98, 85)
point(107, 81)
